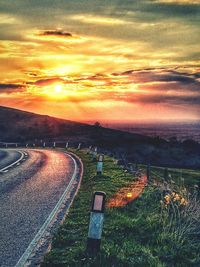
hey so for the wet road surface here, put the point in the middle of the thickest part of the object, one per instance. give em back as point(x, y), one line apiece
point(28, 193)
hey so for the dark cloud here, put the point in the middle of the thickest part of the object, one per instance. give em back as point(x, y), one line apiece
point(11, 87)
point(161, 99)
point(161, 75)
point(174, 8)
point(45, 81)
point(56, 33)
point(165, 87)
point(158, 79)
point(170, 100)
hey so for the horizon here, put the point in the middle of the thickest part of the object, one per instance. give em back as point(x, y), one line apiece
point(102, 61)
point(117, 122)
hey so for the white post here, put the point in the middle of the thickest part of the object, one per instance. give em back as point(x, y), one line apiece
point(79, 146)
point(100, 164)
point(67, 144)
point(96, 223)
point(94, 153)
point(89, 150)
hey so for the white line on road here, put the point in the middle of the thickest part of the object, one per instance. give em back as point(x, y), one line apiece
point(22, 261)
point(14, 163)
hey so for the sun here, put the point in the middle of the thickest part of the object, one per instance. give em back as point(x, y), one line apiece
point(55, 91)
point(58, 88)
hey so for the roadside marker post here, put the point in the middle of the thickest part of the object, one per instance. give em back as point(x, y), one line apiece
point(89, 150)
point(100, 164)
point(6, 145)
point(148, 172)
point(16, 144)
point(26, 145)
point(67, 144)
point(94, 154)
point(79, 147)
point(166, 174)
point(54, 144)
point(44, 144)
point(96, 223)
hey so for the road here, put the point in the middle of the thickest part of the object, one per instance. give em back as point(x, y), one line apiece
point(7, 157)
point(28, 194)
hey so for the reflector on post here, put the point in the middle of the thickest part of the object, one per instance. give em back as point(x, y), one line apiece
point(98, 204)
point(101, 157)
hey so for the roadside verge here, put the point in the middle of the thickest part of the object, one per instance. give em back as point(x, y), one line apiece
point(144, 232)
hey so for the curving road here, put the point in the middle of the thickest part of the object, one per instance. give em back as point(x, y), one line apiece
point(28, 193)
point(7, 157)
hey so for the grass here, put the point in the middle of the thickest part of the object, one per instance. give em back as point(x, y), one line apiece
point(139, 234)
point(180, 177)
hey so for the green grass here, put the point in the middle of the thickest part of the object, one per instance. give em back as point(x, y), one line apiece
point(181, 177)
point(132, 235)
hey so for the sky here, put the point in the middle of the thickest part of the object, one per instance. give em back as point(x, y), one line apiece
point(101, 60)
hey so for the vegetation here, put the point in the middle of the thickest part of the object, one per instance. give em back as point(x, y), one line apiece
point(25, 127)
point(177, 178)
point(160, 228)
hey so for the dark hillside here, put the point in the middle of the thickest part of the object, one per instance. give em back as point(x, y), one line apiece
point(21, 126)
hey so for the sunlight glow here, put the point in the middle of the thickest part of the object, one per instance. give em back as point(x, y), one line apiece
point(54, 91)
point(58, 88)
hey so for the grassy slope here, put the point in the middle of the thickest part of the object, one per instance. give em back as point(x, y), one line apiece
point(181, 177)
point(132, 235)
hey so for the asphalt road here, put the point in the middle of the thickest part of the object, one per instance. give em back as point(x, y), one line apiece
point(28, 193)
point(7, 157)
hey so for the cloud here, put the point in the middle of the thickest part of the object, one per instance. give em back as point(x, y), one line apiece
point(153, 86)
point(99, 20)
point(8, 19)
point(11, 87)
point(47, 81)
point(93, 58)
point(180, 2)
point(166, 99)
point(161, 75)
point(174, 9)
point(57, 33)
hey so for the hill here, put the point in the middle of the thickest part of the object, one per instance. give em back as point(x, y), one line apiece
point(22, 126)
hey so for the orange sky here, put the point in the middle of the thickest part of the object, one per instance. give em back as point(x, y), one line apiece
point(100, 60)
